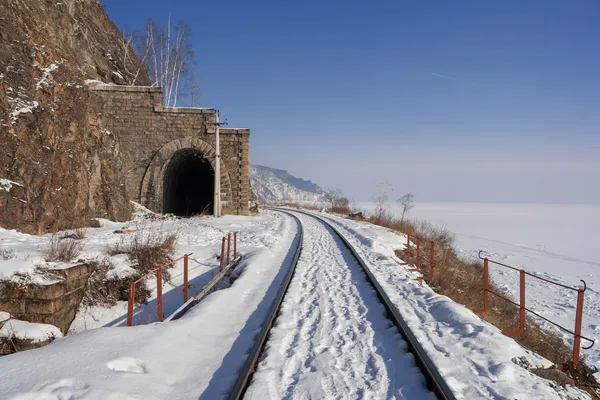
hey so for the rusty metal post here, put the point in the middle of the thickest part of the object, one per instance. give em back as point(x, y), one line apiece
point(431, 261)
point(521, 307)
point(429, 276)
point(228, 247)
point(578, 322)
point(486, 286)
point(185, 278)
point(234, 245)
point(222, 254)
point(418, 252)
point(159, 299)
point(130, 303)
point(407, 256)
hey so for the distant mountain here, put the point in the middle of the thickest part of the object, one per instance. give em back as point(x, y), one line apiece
point(270, 185)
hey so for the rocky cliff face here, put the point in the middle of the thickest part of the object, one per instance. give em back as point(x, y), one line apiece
point(64, 167)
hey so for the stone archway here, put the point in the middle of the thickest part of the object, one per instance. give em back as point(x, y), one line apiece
point(152, 193)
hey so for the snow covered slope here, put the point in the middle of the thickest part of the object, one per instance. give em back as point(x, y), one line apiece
point(272, 185)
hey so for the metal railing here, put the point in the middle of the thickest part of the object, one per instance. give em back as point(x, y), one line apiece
point(158, 273)
point(523, 309)
point(486, 291)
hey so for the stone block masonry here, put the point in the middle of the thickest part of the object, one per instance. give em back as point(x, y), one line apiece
point(149, 135)
point(54, 304)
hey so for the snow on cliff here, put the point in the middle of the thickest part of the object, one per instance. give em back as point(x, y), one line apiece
point(271, 185)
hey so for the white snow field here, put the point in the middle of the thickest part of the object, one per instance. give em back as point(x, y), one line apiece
point(332, 338)
point(200, 355)
point(555, 241)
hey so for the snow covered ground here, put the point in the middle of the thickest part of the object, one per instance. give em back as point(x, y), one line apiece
point(196, 355)
point(332, 338)
point(557, 242)
point(199, 355)
point(200, 236)
point(474, 357)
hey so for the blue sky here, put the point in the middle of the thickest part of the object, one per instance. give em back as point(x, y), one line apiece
point(450, 100)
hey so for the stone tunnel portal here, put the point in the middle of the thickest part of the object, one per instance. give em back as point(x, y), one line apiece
point(189, 183)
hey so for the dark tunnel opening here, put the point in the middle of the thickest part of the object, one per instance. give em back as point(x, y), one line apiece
point(188, 186)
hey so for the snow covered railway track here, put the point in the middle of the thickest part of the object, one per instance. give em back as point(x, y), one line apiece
point(335, 333)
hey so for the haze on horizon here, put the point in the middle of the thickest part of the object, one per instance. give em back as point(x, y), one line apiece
point(452, 101)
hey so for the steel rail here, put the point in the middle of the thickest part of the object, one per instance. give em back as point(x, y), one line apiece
point(245, 375)
point(435, 382)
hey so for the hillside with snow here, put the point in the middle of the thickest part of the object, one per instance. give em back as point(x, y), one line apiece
point(273, 185)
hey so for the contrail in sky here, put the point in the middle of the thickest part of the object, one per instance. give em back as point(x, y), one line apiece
point(444, 76)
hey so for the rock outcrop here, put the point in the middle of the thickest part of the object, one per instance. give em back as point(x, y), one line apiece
point(58, 165)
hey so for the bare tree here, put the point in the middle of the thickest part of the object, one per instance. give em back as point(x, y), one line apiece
point(337, 201)
point(382, 208)
point(168, 57)
point(125, 51)
point(407, 202)
point(332, 196)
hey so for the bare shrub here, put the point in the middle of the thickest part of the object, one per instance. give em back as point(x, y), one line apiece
point(207, 210)
point(407, 202)
point(441, 235)
point(63, 250)
point(105, 291)
point(339, 204)
point(6, 254)
point(147, 250)
point(382, 212)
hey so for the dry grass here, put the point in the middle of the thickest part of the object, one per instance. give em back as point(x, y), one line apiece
point(147, 250)
point(462, 281)
point(291, 204)
point(103, 291)
point(76, 234)
point(64, 250)
point(207, 210)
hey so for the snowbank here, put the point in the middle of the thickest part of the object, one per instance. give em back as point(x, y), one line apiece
point(24, 330)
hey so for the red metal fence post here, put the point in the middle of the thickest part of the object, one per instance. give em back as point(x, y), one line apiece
point(228, 247)
point(578, 322)
point(521, 307)
point(159, 299)
point(418, 252)
point(130, 304)
point(408, 255)
point(185, 278)
point(222, 254)
point(431, 261)
point(486, 283)
point(234, 245)
point(429, 276)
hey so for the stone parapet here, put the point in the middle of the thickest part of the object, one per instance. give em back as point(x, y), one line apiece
point(54, 303)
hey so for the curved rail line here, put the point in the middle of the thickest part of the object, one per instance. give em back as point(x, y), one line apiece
point(435, 381)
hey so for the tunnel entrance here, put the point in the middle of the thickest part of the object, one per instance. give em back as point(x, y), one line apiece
point(188, 184)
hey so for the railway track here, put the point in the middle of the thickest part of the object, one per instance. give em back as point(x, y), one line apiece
point(335, 331)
